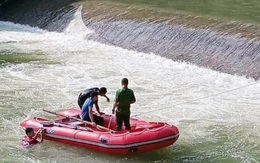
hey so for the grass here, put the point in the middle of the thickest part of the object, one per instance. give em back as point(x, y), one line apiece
point(233, 10)
point(202, 14)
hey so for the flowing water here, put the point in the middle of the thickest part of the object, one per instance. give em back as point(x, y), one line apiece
point(217, 114)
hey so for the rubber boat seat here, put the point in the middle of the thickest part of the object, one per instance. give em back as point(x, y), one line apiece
point(76, 123)
point(46, 123)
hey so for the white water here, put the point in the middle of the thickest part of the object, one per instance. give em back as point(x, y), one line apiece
point(223, 127)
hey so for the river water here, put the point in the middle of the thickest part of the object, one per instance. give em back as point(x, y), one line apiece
point(217, 114)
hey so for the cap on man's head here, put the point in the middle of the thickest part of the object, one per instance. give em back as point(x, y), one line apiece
point(124, 81)
point(103, 90)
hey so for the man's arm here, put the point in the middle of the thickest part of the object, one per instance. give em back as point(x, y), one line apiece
point(38, 135)
point(97, 107)
point(133, 101)
point(114, 107)
point(90, 113)
point(133, 98)
point(115, 103)
point(108, 100)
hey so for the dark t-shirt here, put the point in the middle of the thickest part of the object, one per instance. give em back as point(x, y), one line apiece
point(124, 97)
point(86, 94)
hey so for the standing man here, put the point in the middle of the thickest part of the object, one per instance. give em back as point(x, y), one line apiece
point(86, 94)
point(123, 99)
point(87, 110)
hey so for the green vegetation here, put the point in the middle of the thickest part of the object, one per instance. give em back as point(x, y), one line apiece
point(227, 16)
point(236, 10)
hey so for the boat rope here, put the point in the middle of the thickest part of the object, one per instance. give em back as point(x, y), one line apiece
point(220, 93)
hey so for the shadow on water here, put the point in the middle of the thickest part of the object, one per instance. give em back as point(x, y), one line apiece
point(176, 153)
point(169, 154)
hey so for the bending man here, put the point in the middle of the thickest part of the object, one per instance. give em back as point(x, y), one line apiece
point(86, 94)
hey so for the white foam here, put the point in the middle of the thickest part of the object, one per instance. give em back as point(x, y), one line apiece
point(165, 90)
point(77, 27)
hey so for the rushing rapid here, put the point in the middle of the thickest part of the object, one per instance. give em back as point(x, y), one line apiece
point(217, 114)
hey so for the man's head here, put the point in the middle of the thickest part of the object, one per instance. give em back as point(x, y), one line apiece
point(29, 132)
point(102, 91)
point(94, 96)
point(124, 82)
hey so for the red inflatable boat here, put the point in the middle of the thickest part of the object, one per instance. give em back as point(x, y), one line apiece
point(68, 128)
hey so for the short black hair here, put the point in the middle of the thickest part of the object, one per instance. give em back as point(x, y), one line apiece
point(124, 81)
point(28, 130)
point(93, 94)
point(103, 90)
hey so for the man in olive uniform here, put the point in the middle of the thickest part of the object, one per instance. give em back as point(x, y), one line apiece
point(123, 99)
